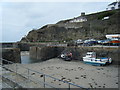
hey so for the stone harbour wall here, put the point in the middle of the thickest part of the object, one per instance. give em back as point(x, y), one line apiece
point(11, 54)
point(45, 53)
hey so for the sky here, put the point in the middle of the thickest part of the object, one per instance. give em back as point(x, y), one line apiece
point(18, 18)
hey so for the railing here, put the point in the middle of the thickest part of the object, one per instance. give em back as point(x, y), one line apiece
point(32, 76)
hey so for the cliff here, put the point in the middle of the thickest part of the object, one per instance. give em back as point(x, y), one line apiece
point(95, 25)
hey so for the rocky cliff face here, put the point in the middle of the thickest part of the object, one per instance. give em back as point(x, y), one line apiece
point(96, 26)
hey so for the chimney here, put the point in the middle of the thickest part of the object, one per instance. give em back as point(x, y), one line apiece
point(82, 13)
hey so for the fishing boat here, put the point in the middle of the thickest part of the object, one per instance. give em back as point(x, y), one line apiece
point(91, 58)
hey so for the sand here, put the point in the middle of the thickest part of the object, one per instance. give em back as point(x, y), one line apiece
point(76, 72)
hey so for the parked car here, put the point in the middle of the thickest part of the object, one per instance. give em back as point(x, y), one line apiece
point(90, 42)
point(79, 42)
point(104, 42)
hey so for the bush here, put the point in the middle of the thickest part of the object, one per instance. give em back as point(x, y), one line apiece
point(105, 14)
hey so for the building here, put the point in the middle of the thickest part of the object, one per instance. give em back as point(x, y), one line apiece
point(79, 19)
point(114, 5)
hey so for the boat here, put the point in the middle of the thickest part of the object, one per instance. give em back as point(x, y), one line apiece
point(66, 56)
point(91, 58)
point(115, 38)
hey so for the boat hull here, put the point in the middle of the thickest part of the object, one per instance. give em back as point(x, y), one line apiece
point(94, 61)
point(115, 41)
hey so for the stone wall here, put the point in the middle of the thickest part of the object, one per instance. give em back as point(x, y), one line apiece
point(45, 53)
point(11, 54)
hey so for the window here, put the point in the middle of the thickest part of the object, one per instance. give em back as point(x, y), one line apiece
point(119, 6)
point(112, 8)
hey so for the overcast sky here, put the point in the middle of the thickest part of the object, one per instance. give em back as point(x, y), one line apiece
point(18, 18)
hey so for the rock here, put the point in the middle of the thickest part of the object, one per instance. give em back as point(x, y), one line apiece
point(63, 78)
point(76, 77)
point(33, 74)
point(41, 75)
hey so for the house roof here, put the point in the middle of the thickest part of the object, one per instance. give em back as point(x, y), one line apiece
point(114, 3)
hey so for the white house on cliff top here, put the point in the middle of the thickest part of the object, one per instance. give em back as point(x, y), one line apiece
point(114, 5)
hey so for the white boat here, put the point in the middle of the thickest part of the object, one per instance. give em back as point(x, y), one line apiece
point(90, 58)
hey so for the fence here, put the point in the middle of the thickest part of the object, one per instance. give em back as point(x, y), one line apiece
point(28, 78)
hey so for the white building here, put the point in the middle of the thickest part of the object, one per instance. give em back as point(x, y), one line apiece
point(114, 5)
point(79, 19)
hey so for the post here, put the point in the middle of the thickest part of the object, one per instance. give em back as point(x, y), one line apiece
point(28, 74)
point(8, 68)
point(44, 80)
point(28, 78)
point(1, 62)
point(16, 74)
point(16, 68)
point(68, 86)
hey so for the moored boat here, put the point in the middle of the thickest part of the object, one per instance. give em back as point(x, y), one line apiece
point(115, 39)
point(91, 58)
